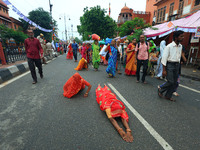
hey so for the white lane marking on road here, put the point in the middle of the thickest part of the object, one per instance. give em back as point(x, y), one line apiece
point(14, 79)
point(151, 130)
point(189, 88)
point(18, 77)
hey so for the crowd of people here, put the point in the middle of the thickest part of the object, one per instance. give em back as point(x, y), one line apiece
point(113, 53)
point(133, 55)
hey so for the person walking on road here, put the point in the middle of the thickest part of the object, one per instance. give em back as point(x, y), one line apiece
point(75, 48)
point(142, 56)
point(34, 54)
point(159, 68)
point(43, 44)
point(171, 65)
point(95, 55)
point(49, 49)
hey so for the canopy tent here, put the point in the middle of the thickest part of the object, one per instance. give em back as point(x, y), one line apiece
point(188, 24)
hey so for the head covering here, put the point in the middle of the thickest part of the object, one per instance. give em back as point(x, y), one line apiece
point(83, 44)
point(41, 34)
point(162, 44)
point(152, 47)
point(72, 86)
point(127, 41)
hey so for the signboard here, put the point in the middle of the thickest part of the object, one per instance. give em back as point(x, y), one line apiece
point(198, 32)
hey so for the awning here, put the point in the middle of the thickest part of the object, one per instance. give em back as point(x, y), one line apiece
point(188, 24)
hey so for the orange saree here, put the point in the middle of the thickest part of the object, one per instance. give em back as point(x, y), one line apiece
point(82, 64)
point(130, 61)
point(73, 85)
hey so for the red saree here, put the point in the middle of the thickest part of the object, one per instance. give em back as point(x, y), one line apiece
point(107, 100)
point(73, 85)
point(70, 52)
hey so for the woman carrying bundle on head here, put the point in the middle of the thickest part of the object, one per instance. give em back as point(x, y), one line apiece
point(95, 55)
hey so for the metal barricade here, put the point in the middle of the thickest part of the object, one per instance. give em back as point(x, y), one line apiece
point(14, 53)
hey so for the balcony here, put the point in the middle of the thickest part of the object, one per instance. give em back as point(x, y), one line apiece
point(158, 2)
point(123, 20)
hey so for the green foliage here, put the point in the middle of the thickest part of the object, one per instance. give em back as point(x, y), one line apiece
point(43, 19)
point(78, 40)
point(136, 35)
point(95, 21)
point(7, 33)
point(133, 28)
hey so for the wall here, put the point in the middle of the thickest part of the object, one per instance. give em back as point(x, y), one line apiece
point(150, 8)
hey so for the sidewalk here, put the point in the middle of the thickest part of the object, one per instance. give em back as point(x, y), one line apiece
point(190, 72)
point(12, 70)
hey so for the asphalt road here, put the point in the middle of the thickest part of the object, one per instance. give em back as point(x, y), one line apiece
point(38, 117)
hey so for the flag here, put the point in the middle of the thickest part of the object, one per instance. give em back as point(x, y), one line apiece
point(109, 9)
point(170, 24)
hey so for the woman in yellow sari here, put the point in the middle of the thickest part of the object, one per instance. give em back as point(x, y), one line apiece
point(130, 60)
point(82, 65)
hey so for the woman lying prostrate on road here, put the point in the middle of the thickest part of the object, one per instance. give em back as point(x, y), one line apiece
point(114, 108)
point(74, 85)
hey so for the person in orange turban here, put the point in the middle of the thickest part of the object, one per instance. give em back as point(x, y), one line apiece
point(74, 84)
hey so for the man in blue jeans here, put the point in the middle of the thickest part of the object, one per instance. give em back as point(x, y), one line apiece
point(75, 48)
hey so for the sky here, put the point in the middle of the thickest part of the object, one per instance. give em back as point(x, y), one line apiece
point(73, 9)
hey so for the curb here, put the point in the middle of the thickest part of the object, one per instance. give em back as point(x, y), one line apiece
point(190, 77)
point(13, 71)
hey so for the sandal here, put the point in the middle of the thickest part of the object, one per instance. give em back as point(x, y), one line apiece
point(159, 93)
point(171, 99)
point(175, 94)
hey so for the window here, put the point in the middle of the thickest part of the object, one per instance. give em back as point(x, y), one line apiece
point(158, 15)
point(171, 9)
point(161, 14)
point(15, 26)
point(180, 8)
point(155, 12)
point(197, 2)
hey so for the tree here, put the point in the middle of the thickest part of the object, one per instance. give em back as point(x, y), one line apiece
point(7, 33)
point(43, 19)
point(77, 40)
point(133, 28)
point(95, 21)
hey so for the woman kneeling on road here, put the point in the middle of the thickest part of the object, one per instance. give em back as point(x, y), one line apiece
point(74, 84)
point(114, 108)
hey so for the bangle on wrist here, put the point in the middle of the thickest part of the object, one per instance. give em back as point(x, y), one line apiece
point(128, 130)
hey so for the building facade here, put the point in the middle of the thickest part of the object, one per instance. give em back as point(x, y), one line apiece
point(169, 10)
point(128, 14)
point(5, 19)
point(4, 15)
point(15, 24)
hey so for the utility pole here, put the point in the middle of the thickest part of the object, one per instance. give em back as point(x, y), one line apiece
point(72, 30)
point(65, 28)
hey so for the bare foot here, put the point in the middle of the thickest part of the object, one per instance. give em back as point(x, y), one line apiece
point(129, 137)
point(122, 133)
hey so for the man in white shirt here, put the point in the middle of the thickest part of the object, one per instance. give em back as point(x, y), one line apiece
point(170, 60)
